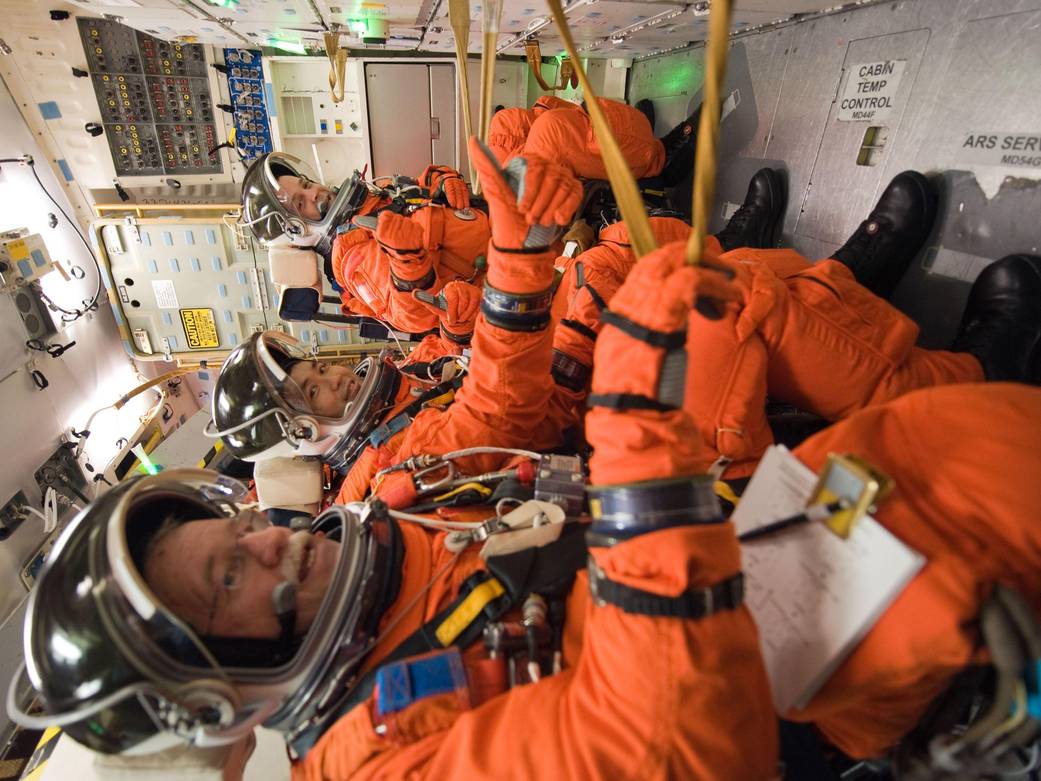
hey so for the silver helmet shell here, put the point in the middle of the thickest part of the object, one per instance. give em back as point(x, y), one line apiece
point(260, 413)
point(268, 212)
point(121, 673)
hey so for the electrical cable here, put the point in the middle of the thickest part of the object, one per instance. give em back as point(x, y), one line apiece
point(68, 316)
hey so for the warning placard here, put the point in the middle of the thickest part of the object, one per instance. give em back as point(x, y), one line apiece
point(200, 328)
point(1017, 150)
point(870, 91)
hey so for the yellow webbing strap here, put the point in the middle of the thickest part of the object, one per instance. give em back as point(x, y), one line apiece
point(468, 610)
point(492, 12)
point(459, 17)
point(626, 193)
point(533, 54)
point(337, 65)
point(725, 492)
point(708, 128)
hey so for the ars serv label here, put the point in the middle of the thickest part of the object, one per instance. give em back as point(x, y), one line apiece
point(200, 328)
point(1018, 150)
point(870, 91)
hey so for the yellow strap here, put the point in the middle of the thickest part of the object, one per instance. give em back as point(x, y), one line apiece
point(708, 129)
point(468, 610)
point(533, 54)
point(459, 17)
point(337, 65)
point(37, 763)
point(626, 193)
point(725, 492)
point(483, 490)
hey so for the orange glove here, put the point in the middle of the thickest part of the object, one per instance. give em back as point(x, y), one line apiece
point(403, 241)
point(529, 202)
point(456, 306)
point(636, 425)
point(446, 184)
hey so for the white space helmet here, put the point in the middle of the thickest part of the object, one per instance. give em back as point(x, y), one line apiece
point(268, 211)
point(259, 411)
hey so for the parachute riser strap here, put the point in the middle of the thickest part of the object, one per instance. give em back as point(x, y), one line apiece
point(708, 128)
point(459, 18)
point(516, 311)
point(627, 194)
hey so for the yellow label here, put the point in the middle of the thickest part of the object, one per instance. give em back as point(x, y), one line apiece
point(18, 250)
point(200, 329)
point(468, 610)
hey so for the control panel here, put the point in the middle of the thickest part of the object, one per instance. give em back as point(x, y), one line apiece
point(249, 107)
point(154, 98)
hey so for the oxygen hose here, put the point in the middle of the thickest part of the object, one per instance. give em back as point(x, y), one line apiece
point(641, 237)
point(459, 17)
point(708, 128)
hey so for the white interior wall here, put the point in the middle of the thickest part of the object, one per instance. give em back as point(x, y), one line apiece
point(91, 374)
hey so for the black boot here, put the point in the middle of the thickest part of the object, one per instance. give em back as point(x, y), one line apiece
point(679, 150)
point(882, 248)
point(755, 224)
point(646, 108)
point(1001, 326)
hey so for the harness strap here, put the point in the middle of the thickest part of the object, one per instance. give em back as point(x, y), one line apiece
point(624, 401)
point(579, 327)
point(444, 393)
point(691, 604)
point(669, 340)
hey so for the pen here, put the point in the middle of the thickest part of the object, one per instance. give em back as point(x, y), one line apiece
point(815, 512)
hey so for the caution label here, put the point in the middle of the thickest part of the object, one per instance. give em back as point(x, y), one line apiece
point(200, 328)
point(18, 250)
point(870, 91)
point(1016, 150)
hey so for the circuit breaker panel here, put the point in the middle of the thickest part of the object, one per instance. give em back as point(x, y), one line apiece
point(154, 98)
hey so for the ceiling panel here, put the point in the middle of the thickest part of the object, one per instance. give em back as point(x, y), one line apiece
point(602, 28)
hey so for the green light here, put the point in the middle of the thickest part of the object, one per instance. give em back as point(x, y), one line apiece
point(287, 46)
point(224, 3)
point(360, 27)
point(146, 463)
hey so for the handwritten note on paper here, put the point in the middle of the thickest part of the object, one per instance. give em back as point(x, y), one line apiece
point(813, 595)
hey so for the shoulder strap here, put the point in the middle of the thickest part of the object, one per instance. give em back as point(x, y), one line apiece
point(389, 428)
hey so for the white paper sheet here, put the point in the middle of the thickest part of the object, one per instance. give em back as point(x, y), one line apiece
point(813, 594)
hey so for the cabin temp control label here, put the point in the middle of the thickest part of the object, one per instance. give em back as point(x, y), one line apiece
point(870, 91)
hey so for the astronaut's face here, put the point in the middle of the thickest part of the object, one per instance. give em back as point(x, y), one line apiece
point(219, 575)
point(327, 387)
point(304, 198)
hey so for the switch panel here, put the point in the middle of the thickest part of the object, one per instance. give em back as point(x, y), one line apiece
point(154, 98)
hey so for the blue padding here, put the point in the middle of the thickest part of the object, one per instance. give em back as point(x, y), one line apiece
point(38, 258)
point(400, 684)
point(299, 304)
point(65, 170)
point(26, 268)
point(49, 110)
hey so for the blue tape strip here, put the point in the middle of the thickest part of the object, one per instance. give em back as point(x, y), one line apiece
point(49, 110)
point(400, 684)
point(65, 170)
